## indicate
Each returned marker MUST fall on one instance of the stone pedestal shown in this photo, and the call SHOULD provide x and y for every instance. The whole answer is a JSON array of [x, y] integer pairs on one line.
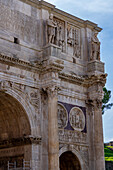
[[53, 141]]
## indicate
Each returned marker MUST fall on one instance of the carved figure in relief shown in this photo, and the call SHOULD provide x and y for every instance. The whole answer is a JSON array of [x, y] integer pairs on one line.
[[62, 116], [69, 36], [59, 35], [73, 41], [76, 47], [77, 119], [51, 29], [95, 47]]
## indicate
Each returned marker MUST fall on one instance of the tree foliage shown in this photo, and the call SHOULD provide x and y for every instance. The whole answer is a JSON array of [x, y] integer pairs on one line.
[[105, 102]]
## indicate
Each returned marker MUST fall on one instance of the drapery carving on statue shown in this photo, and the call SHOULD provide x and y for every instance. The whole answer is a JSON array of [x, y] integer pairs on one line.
[[73, 40], [77, 119], [51, 29], [60, 33], [62, 116], [95, 47]]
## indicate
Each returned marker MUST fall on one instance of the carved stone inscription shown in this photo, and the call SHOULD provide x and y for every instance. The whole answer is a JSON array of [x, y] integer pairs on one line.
[[77, 119], [62, 116]]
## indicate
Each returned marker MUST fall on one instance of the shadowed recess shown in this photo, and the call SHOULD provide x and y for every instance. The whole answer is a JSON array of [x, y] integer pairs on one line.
[[14, 122], [68, 161]]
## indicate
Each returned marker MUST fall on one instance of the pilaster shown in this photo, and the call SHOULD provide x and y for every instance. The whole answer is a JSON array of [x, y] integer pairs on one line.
[[53, 140], [95, 96]]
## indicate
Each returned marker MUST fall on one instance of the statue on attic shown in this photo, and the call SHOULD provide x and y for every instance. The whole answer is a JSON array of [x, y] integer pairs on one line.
[[51, 29], [95, 47]]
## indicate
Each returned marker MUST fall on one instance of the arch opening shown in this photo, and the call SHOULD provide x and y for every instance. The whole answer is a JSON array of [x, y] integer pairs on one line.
[[14, 130], [69, 161]]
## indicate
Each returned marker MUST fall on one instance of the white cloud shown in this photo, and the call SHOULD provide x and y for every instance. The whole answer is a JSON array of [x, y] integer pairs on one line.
[[99, 6]]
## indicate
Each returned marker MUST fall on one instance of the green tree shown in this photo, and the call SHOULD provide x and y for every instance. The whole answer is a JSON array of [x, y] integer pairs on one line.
[[105, 102]]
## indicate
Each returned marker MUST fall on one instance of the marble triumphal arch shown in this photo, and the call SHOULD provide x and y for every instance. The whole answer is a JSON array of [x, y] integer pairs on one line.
[[51, 89]]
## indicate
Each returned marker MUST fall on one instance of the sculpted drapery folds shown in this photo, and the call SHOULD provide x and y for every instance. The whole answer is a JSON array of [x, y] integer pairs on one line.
[[95, 47], [51, 29], [55, 32]]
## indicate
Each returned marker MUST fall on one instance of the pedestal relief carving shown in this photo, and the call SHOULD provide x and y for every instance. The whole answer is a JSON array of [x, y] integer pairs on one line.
[[77, 119], [62, 116], [73, 40]]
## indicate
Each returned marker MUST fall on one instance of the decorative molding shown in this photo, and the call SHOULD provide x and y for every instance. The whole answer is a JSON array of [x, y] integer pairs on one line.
[[20, 141]]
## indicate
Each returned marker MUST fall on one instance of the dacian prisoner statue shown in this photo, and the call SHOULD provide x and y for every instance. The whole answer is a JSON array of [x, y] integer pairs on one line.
[[95, 47]]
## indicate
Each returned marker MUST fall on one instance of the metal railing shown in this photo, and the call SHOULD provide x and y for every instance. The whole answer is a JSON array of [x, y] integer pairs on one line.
[[13, 166]]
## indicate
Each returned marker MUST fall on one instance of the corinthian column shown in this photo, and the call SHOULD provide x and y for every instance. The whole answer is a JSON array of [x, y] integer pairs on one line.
[[96, 128], [98, 136], [53, 140]]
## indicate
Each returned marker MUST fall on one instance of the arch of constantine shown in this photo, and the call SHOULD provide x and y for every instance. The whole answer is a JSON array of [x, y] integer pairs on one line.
[[51, 88]]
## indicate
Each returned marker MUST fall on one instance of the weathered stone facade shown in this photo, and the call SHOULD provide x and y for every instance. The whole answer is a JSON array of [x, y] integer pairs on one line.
[[51, 81]]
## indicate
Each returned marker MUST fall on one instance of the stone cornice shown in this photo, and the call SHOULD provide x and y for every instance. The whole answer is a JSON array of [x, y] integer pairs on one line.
[[51, 7], [84, 80], [69, 16], [71, 78], [99, 78], [20, 141], [40, 66], [17, 62]]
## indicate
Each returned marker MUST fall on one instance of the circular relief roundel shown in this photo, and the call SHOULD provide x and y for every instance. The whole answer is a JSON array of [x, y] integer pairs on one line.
[[77, 119], [62, 116]]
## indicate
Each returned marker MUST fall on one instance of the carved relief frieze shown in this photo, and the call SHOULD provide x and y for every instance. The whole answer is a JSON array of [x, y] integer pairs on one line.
[[73, 40], [35, 100], [72, 136], [60, 33], [20, 141], [30, 95], [55, 31], [62, 116], [77, 119]]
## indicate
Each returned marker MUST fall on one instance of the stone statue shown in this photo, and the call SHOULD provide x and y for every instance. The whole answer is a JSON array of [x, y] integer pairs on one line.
[[95, 47], [76, 49], [60, 39], [51, 29], [69, 36]]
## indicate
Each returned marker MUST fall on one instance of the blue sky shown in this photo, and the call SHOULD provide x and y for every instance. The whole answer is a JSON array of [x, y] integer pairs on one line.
[[100, 12]]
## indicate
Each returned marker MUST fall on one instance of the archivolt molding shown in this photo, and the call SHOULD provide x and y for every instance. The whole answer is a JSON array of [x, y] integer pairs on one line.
[[27, 97], [75, 152]]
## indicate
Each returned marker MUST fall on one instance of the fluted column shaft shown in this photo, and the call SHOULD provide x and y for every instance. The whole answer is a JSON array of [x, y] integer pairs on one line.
[[53, 140]]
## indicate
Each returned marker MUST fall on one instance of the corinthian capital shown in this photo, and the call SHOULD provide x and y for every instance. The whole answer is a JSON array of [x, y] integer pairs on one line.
[[52, 91]]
